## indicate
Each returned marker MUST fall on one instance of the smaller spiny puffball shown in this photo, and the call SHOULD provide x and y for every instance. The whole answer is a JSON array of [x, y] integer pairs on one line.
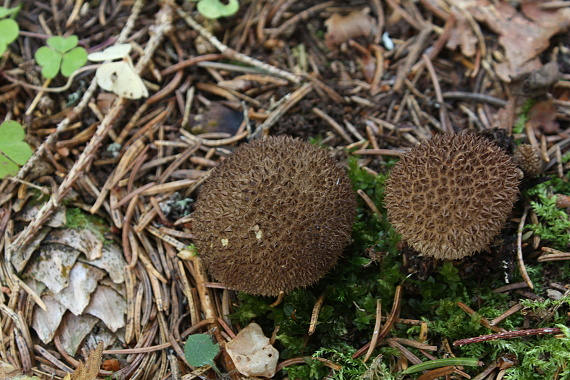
[[528, 159], [449, 196], [273, 216]]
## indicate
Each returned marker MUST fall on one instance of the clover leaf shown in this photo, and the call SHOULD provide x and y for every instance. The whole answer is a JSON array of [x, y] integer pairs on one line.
[[199, 351], [4, 12], [9, 29], [14, 152], [62, 54], [214, 9]]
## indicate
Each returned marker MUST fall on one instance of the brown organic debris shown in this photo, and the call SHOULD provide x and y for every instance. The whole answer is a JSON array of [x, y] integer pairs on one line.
[[343, 28], [90, 369], [274, 216], [542, 118], [523, 35], [449, 196]]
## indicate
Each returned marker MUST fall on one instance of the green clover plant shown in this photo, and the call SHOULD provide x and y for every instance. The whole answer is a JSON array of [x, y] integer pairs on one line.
[[9, 29], [62, 54], [14, 152], [214, 9]]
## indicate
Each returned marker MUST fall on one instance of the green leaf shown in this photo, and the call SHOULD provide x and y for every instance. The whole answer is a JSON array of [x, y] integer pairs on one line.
[[438, 363], [63, 44], [4, 12], [199, 350], [13, 150], [50, 60], [73, 60], [8, 11], [215, 8], [9, 31], [62, 53]]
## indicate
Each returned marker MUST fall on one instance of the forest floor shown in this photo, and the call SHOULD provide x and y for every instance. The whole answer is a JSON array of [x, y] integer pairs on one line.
[[96, 226]]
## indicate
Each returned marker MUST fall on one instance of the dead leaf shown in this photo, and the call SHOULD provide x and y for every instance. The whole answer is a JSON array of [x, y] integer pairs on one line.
[[542, 118], [536, 83], [463, 35], [7, 370], [523, 35], [217, 118], [562, 201], [252, 353], [343, 28], [90, 369]]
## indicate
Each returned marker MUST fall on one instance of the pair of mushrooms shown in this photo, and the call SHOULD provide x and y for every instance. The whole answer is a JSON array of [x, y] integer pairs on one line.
[[277, 213]]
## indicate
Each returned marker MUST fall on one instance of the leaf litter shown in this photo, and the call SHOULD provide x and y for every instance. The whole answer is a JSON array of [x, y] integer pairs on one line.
[[314, 70]]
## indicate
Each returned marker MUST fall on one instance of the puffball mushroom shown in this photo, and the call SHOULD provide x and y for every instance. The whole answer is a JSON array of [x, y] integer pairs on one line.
[[450, 195], [527, 158], [273, 216]]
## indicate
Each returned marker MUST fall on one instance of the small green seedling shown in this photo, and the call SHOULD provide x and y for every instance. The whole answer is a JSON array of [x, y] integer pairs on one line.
[[62, 54], [214, 9], [199, 351], [14, 152], [9, 29]]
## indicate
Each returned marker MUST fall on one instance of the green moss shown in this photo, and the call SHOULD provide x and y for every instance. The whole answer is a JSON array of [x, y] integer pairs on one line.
[[520, 123], [554, 223], [77, 218], [372, 268]]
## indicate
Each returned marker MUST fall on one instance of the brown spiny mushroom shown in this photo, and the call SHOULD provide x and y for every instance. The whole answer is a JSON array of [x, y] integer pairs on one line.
[[450, 195], [274, 216], [527, 158]]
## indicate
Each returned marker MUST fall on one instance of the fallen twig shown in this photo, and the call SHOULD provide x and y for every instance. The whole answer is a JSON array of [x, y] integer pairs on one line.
[[509, 335], [232, 54]]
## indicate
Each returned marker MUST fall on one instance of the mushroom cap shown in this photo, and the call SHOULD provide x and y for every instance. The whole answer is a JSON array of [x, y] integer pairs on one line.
[[273, 216], [450, 195]]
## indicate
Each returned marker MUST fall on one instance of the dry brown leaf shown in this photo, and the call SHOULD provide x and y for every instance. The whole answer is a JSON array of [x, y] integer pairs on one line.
[[562, 200], [217, 118], [463, 35], [537, 82], [90, 369], [542, 117], [342, 28], [523, 35]]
